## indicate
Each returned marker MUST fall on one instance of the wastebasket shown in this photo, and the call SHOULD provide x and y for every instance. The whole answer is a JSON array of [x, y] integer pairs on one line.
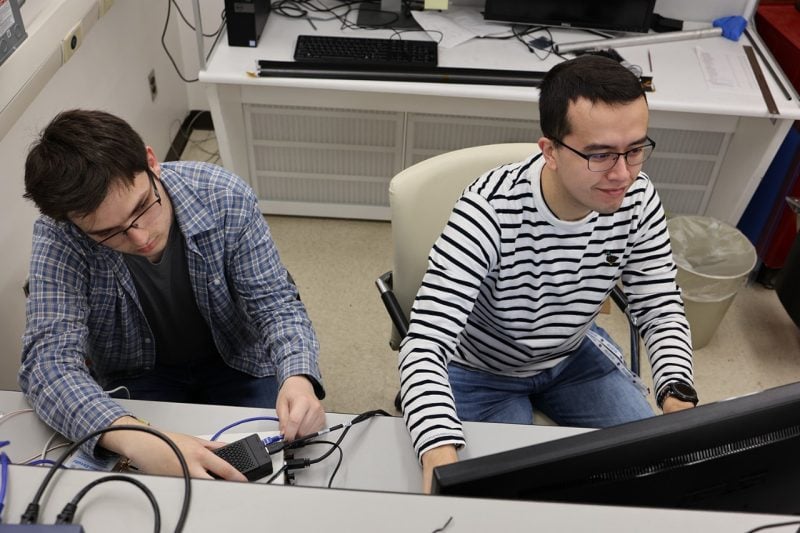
[[714, 260]]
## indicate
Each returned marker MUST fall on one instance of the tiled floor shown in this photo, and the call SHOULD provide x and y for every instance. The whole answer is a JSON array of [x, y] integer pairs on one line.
[[335, 263]]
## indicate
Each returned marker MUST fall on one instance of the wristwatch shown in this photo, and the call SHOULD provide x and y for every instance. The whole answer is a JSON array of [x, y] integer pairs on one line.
[[677, 389]]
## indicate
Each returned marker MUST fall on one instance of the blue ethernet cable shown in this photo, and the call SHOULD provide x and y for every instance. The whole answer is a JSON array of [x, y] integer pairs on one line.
[[4, 461], [39, 462], [246, 420]]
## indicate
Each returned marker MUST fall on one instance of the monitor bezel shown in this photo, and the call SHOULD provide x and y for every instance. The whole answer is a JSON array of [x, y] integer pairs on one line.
[[509, 474], [493, 12]]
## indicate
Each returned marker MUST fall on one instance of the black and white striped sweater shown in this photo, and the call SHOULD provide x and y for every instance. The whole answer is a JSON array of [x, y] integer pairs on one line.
[[511, 289]]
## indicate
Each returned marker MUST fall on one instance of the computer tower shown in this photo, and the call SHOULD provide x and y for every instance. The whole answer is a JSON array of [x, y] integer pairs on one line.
[[245, 21]]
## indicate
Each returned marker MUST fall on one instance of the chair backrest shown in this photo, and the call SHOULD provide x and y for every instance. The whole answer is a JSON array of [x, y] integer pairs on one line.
[[422, 197]]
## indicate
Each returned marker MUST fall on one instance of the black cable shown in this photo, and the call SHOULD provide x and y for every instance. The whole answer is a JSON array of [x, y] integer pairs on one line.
[[771, 526], [31, 514], [190, 24], [333, 446], [166, 50], [300, 441], [275, 476], [216, 36], [68, 513]]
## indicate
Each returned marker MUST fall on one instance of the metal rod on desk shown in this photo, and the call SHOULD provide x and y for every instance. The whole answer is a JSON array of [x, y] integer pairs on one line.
[[198, 31], [638, 40]]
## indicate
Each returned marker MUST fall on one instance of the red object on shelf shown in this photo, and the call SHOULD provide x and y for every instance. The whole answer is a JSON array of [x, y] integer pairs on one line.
[[778, 25], [779, 28]]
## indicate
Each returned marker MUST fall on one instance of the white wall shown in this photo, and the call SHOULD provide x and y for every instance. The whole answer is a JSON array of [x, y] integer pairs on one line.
[[109, 71], [210, 11]]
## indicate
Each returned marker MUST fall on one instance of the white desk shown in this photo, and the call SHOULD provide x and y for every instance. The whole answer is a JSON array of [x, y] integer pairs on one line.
[[323, 147], [375, 453]]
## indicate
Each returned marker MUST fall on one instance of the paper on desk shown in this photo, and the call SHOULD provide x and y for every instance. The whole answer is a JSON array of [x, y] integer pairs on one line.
[[456, 25], [727, 71]]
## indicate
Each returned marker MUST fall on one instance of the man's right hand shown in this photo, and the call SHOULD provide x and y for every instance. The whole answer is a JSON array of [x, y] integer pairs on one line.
[[154, 456], [442, 455]]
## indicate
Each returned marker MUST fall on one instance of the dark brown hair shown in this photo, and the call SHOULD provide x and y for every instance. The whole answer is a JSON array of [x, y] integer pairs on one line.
[[78, 156], [596, 78]]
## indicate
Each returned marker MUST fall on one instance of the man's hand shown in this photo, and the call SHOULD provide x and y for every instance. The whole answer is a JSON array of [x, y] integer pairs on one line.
[[443, 455], [672, 404], [299, 411], [154, 456]]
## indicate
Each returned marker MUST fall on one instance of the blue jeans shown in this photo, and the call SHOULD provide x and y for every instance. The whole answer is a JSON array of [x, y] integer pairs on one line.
[[212, 382], [587, 389]]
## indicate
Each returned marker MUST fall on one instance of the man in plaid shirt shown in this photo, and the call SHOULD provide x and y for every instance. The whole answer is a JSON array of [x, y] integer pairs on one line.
[[161, 281]]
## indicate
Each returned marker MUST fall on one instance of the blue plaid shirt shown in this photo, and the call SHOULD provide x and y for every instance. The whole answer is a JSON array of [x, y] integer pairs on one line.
[[85, 325]]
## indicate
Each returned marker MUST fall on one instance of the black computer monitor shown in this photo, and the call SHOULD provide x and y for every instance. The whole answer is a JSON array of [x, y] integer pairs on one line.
[[611, 15], [388, 14], [741, 454]]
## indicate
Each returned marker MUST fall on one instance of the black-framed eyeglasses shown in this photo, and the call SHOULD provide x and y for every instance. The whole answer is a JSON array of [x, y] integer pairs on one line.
[[145, 217], [605, 161]]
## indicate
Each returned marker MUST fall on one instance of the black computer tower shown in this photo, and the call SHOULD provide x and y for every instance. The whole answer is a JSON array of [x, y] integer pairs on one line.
[[245, 20]]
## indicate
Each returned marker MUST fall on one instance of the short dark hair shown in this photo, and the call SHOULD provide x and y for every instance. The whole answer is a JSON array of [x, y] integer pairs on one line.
[[78, 156], [596, 78]]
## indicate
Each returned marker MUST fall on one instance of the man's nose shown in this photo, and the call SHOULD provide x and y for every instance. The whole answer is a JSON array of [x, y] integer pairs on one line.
[[137, 236], [620, 169]]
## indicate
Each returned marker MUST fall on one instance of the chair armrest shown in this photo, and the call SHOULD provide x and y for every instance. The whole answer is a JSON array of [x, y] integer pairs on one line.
[[399, 320], [621, 301]]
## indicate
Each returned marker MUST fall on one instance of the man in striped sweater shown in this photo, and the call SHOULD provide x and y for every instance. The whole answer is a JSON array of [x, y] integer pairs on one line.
[[504, 319]]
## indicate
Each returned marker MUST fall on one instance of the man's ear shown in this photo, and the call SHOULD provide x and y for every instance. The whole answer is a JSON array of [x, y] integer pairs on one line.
[[548, 148], [152, 161]]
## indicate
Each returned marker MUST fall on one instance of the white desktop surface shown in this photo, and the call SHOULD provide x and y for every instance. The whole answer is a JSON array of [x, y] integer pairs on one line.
[[680, 85], [375, 452], [683, 105]]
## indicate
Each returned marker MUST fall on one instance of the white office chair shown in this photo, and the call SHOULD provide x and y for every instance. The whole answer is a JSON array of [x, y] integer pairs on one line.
[[421, 198]]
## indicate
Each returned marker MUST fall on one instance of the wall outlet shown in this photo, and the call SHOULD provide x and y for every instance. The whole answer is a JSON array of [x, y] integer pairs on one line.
[[151, 82], [71, 42], [104, 6]]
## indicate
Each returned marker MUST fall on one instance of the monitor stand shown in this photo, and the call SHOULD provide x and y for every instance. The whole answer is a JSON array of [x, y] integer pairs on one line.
[[389, 14]]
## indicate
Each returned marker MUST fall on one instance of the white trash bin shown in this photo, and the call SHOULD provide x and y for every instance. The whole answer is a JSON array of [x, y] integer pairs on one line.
[[714, 260]]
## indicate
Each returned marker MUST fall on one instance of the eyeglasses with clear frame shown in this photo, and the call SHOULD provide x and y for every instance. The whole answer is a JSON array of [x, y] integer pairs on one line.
[[605, 161], [145, 218]]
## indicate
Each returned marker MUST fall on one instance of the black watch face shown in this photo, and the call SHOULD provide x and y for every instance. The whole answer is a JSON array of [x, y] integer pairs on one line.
[[684, 389]]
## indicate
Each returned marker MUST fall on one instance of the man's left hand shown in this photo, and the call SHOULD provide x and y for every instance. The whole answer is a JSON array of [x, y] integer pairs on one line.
[[299, 411], [672, 404]]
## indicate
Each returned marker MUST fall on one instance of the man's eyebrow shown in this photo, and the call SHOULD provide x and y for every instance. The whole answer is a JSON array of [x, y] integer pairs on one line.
[[136, 209], [609, 147]]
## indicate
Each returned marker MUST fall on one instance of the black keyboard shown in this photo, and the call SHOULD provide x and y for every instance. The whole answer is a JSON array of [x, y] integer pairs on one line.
[[365, 52]]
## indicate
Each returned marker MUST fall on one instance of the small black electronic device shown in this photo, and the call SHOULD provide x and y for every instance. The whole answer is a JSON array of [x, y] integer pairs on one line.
[[249, 456], [611, 15], [365, 52], [12, 30], [733, 455], [245, 21]]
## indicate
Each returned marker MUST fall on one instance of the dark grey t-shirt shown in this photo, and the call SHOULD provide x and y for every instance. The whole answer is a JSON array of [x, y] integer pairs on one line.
[[182, 335]]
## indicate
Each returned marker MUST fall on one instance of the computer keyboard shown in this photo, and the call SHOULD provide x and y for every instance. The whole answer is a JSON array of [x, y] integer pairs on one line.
[[370, 52]]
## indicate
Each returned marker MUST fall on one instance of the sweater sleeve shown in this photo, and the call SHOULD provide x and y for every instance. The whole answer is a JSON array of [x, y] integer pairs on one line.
[[458, 263], [655, 299]]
